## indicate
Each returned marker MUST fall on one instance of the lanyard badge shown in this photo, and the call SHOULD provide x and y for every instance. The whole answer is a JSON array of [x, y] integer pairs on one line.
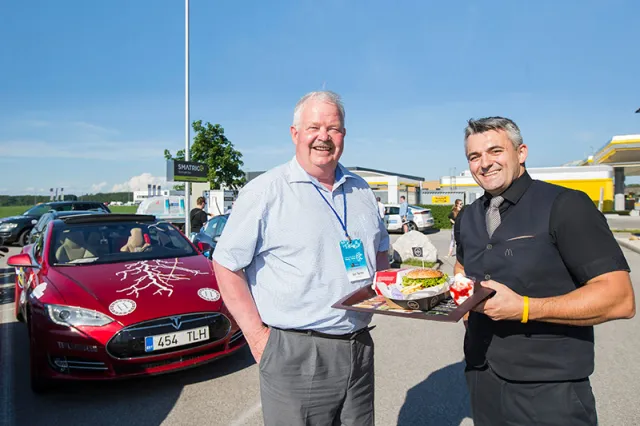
[[352, 251]]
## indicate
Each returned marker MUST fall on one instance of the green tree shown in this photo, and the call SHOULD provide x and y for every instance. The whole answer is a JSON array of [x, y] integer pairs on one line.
[[211, 146]]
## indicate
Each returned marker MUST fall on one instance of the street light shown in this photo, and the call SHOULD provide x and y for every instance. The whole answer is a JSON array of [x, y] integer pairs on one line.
[[187, 186]]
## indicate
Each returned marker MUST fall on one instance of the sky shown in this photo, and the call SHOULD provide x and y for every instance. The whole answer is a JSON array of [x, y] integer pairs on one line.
[[92, 92]]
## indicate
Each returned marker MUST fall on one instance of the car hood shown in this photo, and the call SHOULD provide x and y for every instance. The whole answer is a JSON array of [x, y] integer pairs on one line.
[[19, 219], [131, 292]]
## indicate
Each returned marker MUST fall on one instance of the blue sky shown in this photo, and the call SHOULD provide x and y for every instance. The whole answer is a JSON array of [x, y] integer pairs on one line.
[[91, 93]]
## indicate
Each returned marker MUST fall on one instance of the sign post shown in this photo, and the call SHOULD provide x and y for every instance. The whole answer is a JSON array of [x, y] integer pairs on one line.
[[419, 253]]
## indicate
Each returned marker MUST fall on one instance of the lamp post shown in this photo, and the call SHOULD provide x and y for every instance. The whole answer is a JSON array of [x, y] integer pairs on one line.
[[187, 185]]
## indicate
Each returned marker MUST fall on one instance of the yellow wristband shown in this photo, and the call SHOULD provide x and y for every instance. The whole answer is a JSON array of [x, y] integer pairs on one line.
[[525, 310]]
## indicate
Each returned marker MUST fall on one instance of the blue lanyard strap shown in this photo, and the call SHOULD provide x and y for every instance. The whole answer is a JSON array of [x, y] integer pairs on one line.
[[343, 224]]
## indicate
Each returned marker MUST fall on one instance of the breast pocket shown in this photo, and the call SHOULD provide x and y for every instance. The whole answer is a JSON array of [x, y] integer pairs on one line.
[[526, 253]]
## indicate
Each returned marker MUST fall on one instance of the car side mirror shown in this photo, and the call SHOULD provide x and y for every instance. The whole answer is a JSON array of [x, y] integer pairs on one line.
[[203, 247], [33, 221], [22, 260]]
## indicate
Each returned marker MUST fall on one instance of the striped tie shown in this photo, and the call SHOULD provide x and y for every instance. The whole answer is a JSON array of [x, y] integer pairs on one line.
[[493, 214]]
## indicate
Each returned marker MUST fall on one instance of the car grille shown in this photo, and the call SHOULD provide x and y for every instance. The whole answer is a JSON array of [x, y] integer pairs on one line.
[[65, 364], [130, 341]]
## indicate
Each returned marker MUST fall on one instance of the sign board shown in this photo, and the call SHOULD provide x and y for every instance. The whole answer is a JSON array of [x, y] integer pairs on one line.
[[440, 199], [417, 251], [186, 171]]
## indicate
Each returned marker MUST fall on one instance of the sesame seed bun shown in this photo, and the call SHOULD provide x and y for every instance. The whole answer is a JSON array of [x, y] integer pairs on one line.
[[424, 273]]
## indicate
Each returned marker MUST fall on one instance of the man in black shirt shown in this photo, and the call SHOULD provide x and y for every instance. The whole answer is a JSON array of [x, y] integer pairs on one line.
[[198, 216], [556, 270]]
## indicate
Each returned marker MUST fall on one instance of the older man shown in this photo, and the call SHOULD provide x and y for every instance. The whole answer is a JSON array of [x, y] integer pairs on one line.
[[302, 236], [557, 271]]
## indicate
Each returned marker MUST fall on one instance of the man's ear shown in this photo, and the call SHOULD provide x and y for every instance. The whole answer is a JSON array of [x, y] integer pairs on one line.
[[294, 134], [523, 151]]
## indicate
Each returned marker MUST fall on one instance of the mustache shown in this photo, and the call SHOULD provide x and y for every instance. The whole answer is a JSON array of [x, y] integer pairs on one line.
[[322, 145]]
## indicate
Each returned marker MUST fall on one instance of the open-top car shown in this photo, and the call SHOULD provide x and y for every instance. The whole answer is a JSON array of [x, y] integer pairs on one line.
[[115, 296]]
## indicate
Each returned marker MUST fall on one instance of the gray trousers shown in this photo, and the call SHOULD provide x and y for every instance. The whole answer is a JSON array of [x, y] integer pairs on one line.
[[307, 380]]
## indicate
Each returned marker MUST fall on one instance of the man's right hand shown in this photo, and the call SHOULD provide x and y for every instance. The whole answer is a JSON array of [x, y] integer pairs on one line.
[[257, 342]]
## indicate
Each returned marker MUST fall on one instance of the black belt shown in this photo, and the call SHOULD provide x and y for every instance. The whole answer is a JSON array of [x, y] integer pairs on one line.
[[348, 336]]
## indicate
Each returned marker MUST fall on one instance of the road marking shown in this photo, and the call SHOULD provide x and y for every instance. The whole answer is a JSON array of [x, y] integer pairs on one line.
[[248, 414]]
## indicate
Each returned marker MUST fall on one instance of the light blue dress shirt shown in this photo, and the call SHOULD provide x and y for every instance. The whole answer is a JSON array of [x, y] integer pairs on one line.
[[287, 239], [404, 209]]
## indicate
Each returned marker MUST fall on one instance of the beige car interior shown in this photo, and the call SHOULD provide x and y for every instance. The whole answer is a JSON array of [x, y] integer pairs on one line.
[[73, 247], [135, 243]]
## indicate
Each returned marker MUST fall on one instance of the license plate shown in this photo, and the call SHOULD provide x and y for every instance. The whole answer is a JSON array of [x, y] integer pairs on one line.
[[179, 338]]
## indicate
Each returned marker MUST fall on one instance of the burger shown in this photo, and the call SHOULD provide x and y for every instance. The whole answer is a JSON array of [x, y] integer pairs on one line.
[[424, 278]]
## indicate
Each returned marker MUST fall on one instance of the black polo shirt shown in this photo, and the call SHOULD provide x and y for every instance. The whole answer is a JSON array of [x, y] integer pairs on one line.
[[578, 229]]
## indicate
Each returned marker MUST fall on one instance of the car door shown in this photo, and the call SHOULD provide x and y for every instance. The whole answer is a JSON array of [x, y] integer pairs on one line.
[[29, 279]]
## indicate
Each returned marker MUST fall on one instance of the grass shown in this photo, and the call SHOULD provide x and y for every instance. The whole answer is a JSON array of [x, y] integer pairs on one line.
[[18, 210], [417, 262]]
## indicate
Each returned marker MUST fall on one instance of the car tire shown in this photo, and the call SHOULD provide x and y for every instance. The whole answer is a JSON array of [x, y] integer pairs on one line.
[[23, 238], [412, 226]]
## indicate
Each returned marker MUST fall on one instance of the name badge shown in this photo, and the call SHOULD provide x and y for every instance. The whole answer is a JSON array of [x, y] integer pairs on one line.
[[354, 260]]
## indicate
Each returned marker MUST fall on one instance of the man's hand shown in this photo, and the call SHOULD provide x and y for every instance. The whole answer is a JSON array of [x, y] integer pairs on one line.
[[505, 304], [257, 342]]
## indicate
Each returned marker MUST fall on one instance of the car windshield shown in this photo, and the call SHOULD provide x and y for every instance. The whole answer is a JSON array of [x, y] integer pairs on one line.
[[38, 210], [95, 243]]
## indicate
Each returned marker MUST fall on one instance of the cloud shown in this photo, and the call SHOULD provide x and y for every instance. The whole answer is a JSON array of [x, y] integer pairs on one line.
[[97, 187], [139, 183]]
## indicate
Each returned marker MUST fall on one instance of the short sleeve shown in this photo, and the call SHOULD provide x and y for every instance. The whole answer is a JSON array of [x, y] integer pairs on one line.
[[243, 232], [584, 240]]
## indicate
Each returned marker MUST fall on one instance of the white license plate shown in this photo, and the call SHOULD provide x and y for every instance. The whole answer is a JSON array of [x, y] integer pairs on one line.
[[179, 338]]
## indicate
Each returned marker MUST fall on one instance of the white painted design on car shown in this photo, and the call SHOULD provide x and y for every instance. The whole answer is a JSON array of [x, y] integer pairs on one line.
[[122, 307], [159, 275], [38, 292], [209, 294]]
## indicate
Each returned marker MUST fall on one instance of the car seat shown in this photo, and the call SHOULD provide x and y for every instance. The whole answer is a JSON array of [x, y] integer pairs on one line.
[[136, 242], [73, 247]]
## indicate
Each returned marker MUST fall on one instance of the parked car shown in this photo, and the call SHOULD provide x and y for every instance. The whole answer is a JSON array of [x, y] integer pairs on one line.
[[418, 218], [16, 229], [118, 296], [209, 234], [52, 215]]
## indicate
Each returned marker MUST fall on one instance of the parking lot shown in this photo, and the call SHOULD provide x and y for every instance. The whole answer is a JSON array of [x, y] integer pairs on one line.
[[419, 377]]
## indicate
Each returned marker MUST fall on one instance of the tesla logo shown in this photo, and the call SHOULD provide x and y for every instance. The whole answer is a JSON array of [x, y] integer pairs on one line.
[[176, 323]]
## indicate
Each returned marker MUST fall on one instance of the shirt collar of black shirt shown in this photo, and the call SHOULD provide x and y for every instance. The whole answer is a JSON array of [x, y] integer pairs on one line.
[[515, 191]]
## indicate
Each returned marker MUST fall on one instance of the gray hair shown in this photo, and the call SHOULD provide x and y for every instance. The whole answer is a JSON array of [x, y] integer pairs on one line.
[[324, 96], [494, 123]]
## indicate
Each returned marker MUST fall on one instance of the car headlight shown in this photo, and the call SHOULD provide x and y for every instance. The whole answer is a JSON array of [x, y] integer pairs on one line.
[[7, 226], [73, 316]]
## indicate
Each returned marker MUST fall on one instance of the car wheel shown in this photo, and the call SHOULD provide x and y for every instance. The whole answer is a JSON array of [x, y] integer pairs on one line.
[[23, 239], [412, 226]]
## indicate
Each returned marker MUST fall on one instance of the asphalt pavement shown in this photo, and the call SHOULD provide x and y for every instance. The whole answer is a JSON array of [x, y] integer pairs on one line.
[[419, 377]]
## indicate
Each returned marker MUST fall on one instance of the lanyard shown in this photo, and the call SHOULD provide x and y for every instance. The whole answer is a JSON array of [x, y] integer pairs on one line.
[[343, 224]]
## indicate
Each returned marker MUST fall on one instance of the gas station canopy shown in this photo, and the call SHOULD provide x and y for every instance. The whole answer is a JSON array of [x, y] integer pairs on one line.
[[621, 151]]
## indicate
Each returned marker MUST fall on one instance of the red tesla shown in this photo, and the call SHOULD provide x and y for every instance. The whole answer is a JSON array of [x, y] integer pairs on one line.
[[114, 296]]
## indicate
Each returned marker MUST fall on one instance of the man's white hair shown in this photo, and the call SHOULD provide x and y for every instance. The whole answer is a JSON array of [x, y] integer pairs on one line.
[[324, 96]]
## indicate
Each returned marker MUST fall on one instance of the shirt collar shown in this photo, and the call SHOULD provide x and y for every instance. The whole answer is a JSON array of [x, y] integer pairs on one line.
[[515, 191], [298, 174]]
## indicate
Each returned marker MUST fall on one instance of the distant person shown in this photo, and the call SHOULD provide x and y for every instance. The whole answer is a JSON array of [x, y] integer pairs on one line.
[[302, 236], [556, 270], [198, 216], [404, 213], [380, 208], [453, 214]]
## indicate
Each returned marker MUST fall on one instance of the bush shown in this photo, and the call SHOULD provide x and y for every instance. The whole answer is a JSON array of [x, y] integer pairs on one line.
[[440, 215]]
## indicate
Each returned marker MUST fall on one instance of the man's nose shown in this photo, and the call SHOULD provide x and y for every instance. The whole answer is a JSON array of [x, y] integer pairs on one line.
[[323, 134], [485, 162]]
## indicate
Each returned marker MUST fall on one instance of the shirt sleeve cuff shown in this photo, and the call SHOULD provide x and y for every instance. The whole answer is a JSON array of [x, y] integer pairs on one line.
[[226, 261], [599, 267]]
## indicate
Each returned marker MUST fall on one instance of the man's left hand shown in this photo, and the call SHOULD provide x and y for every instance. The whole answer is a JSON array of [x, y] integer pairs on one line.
[[505, 304]]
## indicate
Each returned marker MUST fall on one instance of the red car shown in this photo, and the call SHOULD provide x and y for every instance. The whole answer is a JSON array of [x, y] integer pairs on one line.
[[114, 296]]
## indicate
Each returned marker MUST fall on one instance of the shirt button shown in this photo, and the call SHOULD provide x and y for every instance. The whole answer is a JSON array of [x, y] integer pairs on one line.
[[487, 276], [489, 246]]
